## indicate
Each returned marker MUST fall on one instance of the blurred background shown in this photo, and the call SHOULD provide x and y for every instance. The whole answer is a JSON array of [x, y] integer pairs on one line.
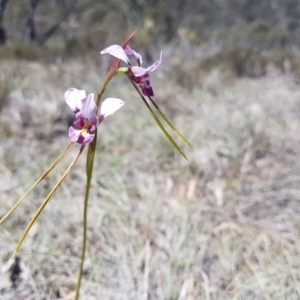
[[222, 225], [246, 37]]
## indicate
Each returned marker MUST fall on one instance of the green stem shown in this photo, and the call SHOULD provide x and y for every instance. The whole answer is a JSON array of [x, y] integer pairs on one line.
[[89, 174], [108, 77]]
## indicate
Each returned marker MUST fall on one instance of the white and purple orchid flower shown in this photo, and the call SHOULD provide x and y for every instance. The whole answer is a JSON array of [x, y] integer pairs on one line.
[[137, 73], [85, 110]]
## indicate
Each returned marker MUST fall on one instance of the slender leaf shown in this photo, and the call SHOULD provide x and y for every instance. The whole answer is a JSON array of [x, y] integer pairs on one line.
[[158, 122], [38, 212], [170, 124], [164, 130], [36, 183]]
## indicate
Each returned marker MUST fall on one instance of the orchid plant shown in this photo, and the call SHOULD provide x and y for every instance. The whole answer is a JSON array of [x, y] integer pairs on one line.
[[85, 128]]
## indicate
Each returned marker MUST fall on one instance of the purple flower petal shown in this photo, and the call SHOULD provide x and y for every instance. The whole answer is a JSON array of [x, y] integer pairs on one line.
[[79, 123], [82, 123], [118, 52], [139, 71], [156, 64], [143, 81], [86, 114], [80, 136], [73, 98], [138, 56], [137, 74], [88, 110], [141, 76], [147, 90]]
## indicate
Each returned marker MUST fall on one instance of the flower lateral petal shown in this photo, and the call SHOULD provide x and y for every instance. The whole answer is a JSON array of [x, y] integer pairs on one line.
[[139, 71], [118, 52], [110, 106], [138, 56], [156, 64]]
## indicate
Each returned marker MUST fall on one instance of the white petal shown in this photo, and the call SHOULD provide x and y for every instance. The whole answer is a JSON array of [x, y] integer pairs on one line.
[[73, 98], [118, 52], [139, 71], [110, 105]]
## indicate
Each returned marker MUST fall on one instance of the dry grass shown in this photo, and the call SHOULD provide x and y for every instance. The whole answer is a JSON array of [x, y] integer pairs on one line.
[[224, 225]]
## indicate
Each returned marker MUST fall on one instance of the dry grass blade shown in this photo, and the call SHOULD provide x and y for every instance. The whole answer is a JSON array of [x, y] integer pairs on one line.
[[36, 215], [36, 183]]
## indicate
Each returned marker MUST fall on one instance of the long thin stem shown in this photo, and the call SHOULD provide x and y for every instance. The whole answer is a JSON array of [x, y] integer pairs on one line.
[[89, 175], [36, 183], [36, 215], [108, 77], [90, 164]]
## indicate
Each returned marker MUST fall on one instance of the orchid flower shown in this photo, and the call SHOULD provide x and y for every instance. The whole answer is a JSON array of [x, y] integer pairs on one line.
[[137, 73], [140, 76], [85, 110]]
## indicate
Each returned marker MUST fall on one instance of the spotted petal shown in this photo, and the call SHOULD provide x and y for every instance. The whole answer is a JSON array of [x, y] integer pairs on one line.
[[82, 137], [88, 110]]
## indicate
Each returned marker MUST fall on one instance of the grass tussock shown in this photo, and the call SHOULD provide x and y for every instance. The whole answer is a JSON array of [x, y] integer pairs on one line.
[[224, 225]]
